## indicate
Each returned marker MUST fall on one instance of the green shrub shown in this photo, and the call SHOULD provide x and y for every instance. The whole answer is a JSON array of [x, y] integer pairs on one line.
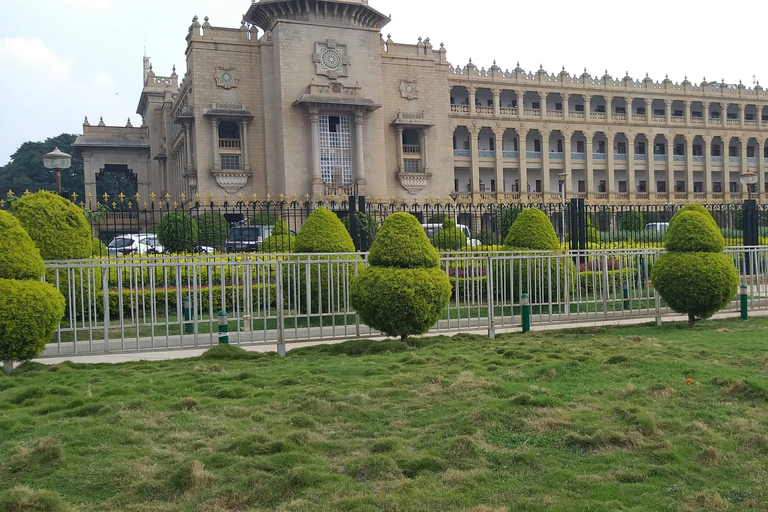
[[30, 312], [365, 221], [56, 225], [694, 277], [263, 218], [19, 258], [532, 231], [692, 231], [213, 229], [403, 292], [450, 237], [486, 237], [632, 221], [694, 207], [695, 283], [437, 218], [507, 216], [278, 242], [99, 250], [398, 246], [323, 232], [177, 232]]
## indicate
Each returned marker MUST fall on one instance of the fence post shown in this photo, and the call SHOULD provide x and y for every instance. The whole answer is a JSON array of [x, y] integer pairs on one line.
[[751, 236], [361, 207], [280, 311], [105, 303], [658, 307], [525, 302], [352, 205], [489, 291]]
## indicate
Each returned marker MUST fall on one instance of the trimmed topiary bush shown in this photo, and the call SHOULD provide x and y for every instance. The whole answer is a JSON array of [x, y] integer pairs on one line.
[[280, 240], [532, 231], [19, 258], [56, 225], [403, 292], [30, 309], [694, 207], [323, 232], [450, 237], [632, 221], [694, 277], [177, 232], [213, 229]]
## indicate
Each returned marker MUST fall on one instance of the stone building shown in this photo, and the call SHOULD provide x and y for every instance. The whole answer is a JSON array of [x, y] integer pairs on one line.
[[310, 98]]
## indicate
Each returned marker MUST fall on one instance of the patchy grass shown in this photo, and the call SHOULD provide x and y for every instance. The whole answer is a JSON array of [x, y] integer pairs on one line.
[[636, 418]]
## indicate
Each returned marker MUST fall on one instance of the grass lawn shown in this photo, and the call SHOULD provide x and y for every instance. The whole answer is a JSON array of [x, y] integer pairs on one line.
[[589, 419]]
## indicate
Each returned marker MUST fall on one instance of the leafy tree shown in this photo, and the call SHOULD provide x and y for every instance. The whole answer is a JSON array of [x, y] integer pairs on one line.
[[632, 221], [450, 237], [26, 171], [213, 229], [177, 232]]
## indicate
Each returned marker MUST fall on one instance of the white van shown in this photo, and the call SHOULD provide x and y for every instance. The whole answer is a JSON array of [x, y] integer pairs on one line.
[[432, 229]]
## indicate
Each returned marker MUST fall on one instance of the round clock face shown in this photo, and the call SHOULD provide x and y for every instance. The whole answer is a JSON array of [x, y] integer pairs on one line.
[[331, 59], [227, 77]]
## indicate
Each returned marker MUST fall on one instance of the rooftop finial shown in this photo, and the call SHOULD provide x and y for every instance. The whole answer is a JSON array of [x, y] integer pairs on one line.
[[195, 19], [563, 68], [206, 19], [86, 123], [174, 69]]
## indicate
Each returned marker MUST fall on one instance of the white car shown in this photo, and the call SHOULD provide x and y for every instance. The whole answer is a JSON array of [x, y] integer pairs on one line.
[[126, 245]]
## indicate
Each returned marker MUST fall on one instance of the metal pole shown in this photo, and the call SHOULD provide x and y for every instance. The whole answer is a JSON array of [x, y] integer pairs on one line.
[[744, 299], [525, 302], [189, 327], [223, 328], [58, 181]]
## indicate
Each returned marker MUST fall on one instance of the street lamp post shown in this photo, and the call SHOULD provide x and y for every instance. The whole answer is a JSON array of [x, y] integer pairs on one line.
[[561, 179], [58, 161], [748, 179]]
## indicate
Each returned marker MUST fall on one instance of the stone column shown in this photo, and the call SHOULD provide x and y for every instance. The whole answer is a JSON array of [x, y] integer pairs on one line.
[[670, 163], [742, 108], [567, 160], [246, 161], [668, 108], [472, 107], [400, 160], [687, 112], [475, 156], [707, 149], [543, 103], [629, 101], [760, 169], [522, 136], [545, 164], [610, 173], [587, 107], [520, 103], [314, 125], [608, 108], [631, 187], [424, 149], [89, 175], [499, 133], [360, 151], [743, 141], [588, 176], [187, 147], [689, 165], [705, 104], [565, 97], [648, 111], [496, 102], [215, 144]]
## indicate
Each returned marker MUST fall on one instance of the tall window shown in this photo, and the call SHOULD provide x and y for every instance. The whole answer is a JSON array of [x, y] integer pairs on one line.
[[335, 150]]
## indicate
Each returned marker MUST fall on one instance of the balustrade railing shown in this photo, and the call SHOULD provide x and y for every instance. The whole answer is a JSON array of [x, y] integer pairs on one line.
[[229, 143], [532, 112], [484, 110], [460, 109], [508, 111], [412, 149]]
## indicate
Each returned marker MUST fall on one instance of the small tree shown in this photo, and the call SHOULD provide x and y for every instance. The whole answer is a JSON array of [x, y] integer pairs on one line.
[[263, 218], [631, 221], [30, 309], [177, 232], [279, 240], [450, 237], [213, 229], [403, 292], [694, 277]]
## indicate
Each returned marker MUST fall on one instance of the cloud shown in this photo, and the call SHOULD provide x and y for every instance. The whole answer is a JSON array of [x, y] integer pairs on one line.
[[100, 5], [32, 54]]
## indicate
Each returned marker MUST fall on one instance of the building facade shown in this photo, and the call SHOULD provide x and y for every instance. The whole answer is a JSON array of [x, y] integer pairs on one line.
[[309, 98]]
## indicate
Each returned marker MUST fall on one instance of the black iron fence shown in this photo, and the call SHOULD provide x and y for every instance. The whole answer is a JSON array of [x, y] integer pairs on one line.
[[271, 226]]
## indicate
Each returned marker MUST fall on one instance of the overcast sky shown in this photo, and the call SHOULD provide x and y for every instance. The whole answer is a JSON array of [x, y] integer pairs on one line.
[[64, 59]]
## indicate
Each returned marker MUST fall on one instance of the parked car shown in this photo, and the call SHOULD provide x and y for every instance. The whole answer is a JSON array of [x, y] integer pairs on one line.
[[246, 238], [432, 229], [124, 245]]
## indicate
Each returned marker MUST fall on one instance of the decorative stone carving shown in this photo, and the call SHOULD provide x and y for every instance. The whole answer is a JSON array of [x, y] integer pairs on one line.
[[409, 89], [225, 78], [414, 182], [231, 181], [331, 59]]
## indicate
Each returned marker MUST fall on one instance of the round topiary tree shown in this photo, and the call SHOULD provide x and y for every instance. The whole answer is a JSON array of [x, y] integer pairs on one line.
[[632, 221], [694, 277], [30, 309], [450, 237], [56, 225], [213, 229], [532, 231], [403, 292], [280, 240], [177, 232], [694, 207], [322, 232]]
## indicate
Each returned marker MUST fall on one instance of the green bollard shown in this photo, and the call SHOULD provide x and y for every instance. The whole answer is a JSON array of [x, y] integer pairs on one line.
[[625, 294], [189, 328], [525, 302], [744, 297], [223, 328]]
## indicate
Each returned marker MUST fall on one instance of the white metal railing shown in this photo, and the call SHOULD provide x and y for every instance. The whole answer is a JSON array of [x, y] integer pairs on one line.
[[161, 303]]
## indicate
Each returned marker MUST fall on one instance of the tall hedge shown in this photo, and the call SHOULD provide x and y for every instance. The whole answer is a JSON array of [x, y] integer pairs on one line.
[[695, 277], [213, 229], [56, 225], [30, 309], [403, 292], [177, 232]]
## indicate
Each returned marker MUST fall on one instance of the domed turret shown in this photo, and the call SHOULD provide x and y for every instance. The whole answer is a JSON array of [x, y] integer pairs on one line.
[[266, 13]]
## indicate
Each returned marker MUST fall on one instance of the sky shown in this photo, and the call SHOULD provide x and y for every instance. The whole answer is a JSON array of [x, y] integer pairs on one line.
[[64, 59]]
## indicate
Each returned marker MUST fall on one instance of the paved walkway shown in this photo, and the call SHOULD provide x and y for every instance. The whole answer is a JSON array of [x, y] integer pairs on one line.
[[123, 357]]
